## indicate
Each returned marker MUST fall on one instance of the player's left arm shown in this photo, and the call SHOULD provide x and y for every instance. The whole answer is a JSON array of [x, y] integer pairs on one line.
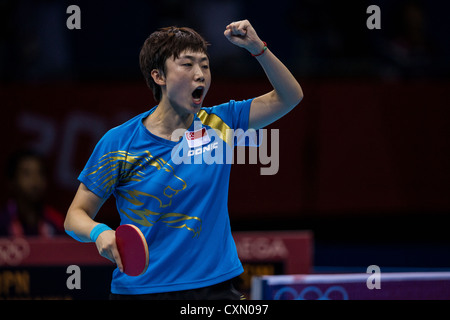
[[287, 92]]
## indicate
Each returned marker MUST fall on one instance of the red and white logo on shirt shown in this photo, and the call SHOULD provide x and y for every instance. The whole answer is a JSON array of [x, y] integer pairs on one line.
[[197, 138]]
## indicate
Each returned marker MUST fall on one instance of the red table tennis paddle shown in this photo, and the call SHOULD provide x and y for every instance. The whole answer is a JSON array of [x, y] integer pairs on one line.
[[133, 249]]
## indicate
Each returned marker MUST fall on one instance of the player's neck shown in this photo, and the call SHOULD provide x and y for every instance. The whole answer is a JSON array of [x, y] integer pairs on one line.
[[165, 120]]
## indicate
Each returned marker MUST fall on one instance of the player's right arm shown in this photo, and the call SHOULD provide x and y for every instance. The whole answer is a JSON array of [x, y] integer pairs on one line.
[[80, 221], [81, 213]]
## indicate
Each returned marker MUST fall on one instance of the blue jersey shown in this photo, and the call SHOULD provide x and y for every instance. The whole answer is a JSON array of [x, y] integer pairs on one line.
[[176, 193]]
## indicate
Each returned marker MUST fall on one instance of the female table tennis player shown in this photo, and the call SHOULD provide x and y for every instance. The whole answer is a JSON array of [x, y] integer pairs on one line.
[[180, 208]]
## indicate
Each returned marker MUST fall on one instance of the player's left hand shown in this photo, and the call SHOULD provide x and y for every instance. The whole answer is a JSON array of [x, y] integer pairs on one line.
[[242, 34]]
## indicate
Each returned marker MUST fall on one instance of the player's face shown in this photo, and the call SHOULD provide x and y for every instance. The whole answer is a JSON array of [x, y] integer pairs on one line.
[[187, 81]]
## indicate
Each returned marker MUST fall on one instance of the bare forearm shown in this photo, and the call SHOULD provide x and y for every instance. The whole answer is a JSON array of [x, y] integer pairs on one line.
[[78, 221], [81, 213], [285, 86]]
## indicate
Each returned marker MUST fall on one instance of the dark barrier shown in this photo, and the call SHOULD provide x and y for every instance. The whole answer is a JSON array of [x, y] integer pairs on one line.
[[34, 268], [61, 268], [273, 253]]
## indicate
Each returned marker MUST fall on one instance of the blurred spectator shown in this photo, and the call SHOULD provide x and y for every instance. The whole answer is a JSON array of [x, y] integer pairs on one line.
[[409, 49], [26, 213]]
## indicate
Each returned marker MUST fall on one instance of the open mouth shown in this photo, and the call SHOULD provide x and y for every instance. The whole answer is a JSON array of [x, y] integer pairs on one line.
[[197, 95]]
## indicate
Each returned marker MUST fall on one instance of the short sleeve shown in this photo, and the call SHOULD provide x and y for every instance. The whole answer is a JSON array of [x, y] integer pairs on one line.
[[101, 173], [236, 115]]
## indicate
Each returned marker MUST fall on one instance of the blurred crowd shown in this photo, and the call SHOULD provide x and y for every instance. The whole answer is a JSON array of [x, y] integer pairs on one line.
[[315, 38]]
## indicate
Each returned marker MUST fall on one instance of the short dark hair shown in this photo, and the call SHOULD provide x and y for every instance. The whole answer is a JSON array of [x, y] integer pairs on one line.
[[163, 44]]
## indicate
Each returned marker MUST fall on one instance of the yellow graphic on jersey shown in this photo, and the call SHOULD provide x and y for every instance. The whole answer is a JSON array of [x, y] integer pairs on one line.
[[122, 167]]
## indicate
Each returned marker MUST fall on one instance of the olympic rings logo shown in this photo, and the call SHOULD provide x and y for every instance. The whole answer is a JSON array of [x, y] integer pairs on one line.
[[317, 294], [13, 252]]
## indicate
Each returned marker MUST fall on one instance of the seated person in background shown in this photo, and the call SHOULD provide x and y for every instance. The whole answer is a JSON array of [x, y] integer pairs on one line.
[[26, 213]]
